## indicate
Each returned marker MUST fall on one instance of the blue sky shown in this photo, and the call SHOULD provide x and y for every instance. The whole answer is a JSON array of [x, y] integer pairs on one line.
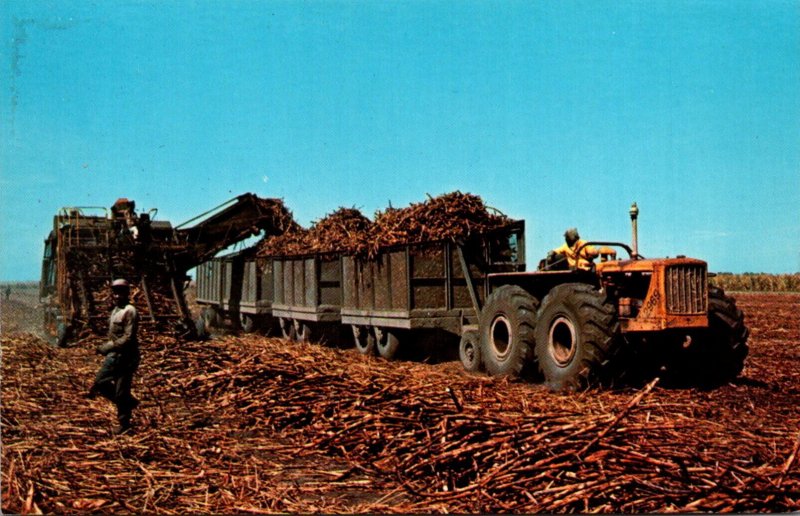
[[561, 113]]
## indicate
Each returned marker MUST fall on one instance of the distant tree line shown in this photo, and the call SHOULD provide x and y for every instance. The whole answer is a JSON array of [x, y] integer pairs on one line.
[[757, 282]]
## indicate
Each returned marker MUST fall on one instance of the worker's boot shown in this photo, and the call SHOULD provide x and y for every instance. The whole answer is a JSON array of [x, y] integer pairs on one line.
[[124, 425], [124, 411], [92, 393]]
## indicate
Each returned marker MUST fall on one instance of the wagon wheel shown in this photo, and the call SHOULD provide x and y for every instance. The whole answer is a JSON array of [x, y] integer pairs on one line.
[[210, 317], [200, 327], [247, 322], [469, 351], [207, 320], [364, 339], [387, 342], [302, 331], [62, 334], [287, 328]]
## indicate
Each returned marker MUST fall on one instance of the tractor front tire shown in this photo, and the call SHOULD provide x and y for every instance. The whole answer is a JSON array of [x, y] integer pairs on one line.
[[729, 332], [714, 356], [508, 322], [576, 337]]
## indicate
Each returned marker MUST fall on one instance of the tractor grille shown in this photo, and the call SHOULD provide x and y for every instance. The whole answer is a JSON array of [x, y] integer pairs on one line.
[[686, 287]]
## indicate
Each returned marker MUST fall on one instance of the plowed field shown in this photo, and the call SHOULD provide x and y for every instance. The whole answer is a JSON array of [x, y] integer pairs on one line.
[[245, 424]]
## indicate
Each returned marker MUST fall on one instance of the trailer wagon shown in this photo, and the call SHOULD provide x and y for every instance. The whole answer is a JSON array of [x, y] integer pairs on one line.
[[413, 288], [307, 295], [238, 287]]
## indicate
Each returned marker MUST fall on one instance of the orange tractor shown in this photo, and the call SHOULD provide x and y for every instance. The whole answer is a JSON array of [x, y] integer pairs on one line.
[[577, 328]]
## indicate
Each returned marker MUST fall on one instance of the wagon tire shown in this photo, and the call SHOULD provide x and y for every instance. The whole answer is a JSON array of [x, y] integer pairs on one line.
[[469, 352], [211, 319], [302, 331], [364, 339], [508, 323], [247, 322], [62, 334], [200, 326], [576, 337], [387, 342], [287, 328]]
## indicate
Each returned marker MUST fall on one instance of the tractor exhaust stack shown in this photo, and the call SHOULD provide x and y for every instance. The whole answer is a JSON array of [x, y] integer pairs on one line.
[[635, 239]]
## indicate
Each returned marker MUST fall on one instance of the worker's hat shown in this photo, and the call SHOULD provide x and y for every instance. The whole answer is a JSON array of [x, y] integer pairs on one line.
[[120, 284]]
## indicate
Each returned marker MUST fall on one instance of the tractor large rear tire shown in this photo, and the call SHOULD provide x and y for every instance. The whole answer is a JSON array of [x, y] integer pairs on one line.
[[508, 322], [576, 337]]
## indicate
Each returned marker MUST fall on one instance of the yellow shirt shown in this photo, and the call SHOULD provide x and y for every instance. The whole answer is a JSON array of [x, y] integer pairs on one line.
[[582, 261]]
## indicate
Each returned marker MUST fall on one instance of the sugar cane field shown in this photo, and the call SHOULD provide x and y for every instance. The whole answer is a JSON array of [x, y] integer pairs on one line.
[[255, 424]]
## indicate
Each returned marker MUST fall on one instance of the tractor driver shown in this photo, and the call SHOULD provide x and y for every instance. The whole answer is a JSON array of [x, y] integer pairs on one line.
[[574, 250]]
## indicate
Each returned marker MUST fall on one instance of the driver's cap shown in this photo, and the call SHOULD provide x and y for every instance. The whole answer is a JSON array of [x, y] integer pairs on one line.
[[572, 234]]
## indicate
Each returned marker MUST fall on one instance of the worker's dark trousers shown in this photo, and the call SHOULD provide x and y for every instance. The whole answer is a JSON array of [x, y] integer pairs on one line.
[[113, 382]]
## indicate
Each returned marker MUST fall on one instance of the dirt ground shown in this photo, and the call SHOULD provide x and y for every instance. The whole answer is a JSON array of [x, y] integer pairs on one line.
[[20, 312], [251, 424]]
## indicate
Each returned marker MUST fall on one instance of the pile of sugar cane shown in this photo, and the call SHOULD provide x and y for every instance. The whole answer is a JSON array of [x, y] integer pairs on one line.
[[450, 216]]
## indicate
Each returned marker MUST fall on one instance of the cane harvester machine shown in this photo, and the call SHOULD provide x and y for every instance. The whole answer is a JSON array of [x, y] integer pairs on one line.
[[89, 246]]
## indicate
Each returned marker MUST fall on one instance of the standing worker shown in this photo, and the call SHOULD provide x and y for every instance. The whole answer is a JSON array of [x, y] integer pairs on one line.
[[113, 380], [577, 253]]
